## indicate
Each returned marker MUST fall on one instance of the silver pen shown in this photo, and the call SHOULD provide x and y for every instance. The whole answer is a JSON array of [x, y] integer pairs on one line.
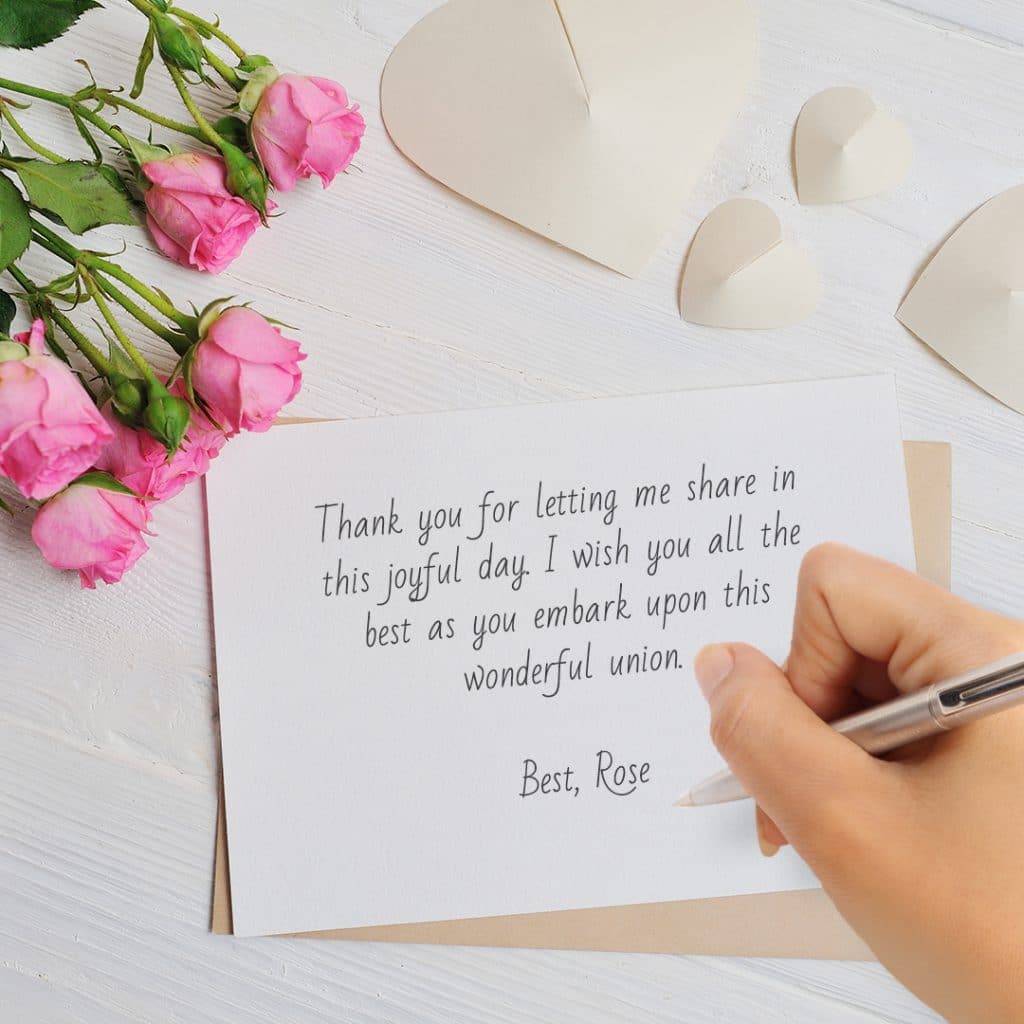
[[935, 709]]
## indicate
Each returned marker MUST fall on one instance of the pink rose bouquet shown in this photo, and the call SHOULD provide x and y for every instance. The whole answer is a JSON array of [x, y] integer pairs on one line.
[[93, 435]]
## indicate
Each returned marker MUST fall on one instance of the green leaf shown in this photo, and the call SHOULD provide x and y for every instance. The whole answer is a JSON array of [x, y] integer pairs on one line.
[[145, 59], [80, 194], [7, 312], [94, 478], [6, 508], [115, 179], [140, 152], [25, 24], [15, 226]]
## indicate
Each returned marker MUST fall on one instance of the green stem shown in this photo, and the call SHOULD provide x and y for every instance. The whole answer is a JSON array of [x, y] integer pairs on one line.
[[225, 71], [68, 103], [150, 115], [179, 344], [38, 148], [145, 7], [31, 293], [99, 361], [52, 241], [208, 26], [157, 301], [190, 104], [91, 261], [112, 322], [69, 254]]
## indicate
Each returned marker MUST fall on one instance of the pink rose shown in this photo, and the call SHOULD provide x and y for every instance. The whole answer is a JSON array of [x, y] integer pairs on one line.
[[305, 126], [246, 370], [140, 462], [50, 430], [96, 531], [193, 217]]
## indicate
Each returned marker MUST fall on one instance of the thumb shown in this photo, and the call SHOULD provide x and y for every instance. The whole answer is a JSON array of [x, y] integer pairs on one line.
[[793, 764]]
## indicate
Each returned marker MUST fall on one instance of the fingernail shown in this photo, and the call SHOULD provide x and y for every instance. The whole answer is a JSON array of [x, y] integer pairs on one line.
[[712, 667], [768, 848]]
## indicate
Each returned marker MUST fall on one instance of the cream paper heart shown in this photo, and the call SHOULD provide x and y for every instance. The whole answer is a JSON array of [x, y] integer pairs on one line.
[[968, 303], [741, 272], [586, 121], [846, 148]]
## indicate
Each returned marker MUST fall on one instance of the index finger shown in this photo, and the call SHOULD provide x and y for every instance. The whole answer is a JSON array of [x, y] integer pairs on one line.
[[863, 624]]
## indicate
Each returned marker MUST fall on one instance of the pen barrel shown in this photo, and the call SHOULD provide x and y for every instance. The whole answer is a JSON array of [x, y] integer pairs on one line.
[[895, 724], [965, 698]]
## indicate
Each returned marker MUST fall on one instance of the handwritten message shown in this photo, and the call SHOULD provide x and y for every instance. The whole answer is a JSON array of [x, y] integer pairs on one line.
[[603, 532]]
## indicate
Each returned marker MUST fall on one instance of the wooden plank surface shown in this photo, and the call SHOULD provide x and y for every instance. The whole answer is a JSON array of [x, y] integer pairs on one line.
[[411, 299]]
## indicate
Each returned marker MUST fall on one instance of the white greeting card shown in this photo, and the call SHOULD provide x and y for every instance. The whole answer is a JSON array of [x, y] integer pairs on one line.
[[454, 650]]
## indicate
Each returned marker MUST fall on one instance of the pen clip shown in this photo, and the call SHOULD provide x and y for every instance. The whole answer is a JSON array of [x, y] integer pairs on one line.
[[979, 691]]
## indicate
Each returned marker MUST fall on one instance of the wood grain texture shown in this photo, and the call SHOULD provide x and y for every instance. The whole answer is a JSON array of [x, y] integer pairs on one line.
[[411, 299]]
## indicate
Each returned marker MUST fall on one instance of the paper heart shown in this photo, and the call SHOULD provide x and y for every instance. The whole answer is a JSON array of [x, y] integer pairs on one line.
[[846, 148], [968, 303], [741, 272], [586, 121]]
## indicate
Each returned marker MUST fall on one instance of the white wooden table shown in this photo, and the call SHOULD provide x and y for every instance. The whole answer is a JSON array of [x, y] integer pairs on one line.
[[411, 299]]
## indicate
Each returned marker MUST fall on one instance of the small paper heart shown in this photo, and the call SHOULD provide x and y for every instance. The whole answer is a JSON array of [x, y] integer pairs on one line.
[[741, 272], [846, 148], [968, 303]]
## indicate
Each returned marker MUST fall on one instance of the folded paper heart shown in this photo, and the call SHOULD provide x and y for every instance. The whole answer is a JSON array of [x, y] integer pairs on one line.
[[846, 148], [586, 121], [741, 272], [968, 303]]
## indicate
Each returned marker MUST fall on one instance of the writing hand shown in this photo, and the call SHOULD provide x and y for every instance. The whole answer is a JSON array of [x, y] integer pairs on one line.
[[921, 852]]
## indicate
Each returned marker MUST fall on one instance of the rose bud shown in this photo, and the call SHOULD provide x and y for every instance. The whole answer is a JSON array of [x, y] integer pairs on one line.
[[204, 439], [166, 417], [92, 527], [50, 430], [245, 179], [245, 370], [191, 213], [180, 44], [140, 462], [128, 398], [305, 126]]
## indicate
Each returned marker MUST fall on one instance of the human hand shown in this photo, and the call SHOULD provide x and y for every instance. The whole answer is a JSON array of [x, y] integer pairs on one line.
[[921, 852]]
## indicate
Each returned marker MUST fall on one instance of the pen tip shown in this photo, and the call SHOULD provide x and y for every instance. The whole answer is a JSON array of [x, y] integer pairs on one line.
[[684, 801]]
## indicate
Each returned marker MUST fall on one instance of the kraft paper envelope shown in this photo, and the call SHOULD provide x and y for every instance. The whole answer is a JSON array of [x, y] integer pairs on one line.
[[790, 924]]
